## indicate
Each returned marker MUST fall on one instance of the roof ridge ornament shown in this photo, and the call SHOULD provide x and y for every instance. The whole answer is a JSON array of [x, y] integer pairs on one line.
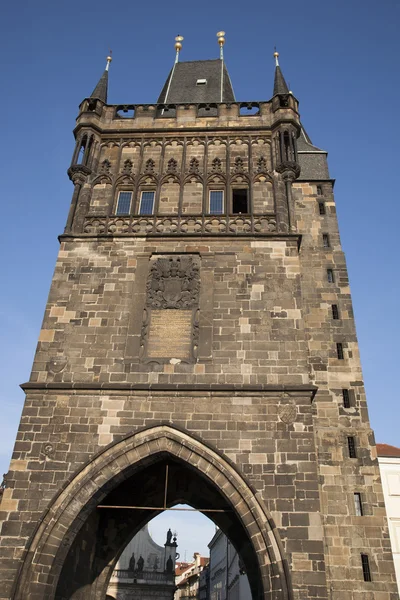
[[221, 42], [178, 46], [109, 60]]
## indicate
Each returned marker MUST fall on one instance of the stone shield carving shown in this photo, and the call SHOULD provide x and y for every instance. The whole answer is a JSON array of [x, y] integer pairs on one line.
[[287, 413], [173, 282], [170, 327]]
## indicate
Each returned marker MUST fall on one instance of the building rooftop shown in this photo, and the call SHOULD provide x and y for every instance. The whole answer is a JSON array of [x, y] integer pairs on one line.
[[197, 82], [388, 450]]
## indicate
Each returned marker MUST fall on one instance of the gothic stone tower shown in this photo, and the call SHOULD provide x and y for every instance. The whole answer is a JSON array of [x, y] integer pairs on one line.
[[198, 346]]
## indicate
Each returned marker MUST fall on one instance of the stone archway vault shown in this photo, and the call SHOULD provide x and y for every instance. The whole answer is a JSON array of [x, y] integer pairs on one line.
[[54, 536]]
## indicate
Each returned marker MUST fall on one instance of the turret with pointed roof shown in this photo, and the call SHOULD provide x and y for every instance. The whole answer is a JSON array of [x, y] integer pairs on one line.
[[280, 86], [101, 89]]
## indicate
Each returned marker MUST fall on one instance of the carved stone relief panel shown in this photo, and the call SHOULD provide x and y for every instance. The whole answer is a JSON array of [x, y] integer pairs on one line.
[[170, 328]]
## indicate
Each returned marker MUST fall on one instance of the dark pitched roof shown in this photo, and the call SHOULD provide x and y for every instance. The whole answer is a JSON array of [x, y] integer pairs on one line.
[[100, 91], [387, 450], [312, 160], [304, 143], [280, 86], [181, 85]]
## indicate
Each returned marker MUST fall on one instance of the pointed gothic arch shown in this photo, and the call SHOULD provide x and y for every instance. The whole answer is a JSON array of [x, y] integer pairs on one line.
[[74, 515]]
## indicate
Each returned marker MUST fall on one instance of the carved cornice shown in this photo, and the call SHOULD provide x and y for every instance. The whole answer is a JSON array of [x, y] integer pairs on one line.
[[290, 170], [78, 173], [214, 388]]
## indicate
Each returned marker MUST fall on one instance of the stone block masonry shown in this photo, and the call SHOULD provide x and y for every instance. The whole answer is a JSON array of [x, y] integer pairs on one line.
[[254, 414]]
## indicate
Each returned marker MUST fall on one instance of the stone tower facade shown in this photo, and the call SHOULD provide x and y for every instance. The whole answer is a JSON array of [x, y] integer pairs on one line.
[[198, 346]]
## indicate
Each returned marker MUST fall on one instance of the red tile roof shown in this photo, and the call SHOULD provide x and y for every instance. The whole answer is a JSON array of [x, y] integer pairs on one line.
[[387, 450], [180, 567]]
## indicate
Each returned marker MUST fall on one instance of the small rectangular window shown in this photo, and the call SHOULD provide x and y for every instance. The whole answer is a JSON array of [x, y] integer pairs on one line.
[[352, 447], [124, 203], [339, 351], [330, 276], [201, 82], [335, 311], [216, 202], [346, 398], [325, 240], [147, 203], [319, 190], [358, 504], [365, 567], [321, 207], [240, 201]]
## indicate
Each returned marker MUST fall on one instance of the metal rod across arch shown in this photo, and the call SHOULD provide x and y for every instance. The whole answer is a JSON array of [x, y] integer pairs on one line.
[[165, 507]]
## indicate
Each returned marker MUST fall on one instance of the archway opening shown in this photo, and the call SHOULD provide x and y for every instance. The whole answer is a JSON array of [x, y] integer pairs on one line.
[[180, 554], [146, 490]]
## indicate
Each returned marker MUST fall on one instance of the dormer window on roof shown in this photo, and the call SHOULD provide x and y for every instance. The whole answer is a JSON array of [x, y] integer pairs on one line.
[[201, 82]]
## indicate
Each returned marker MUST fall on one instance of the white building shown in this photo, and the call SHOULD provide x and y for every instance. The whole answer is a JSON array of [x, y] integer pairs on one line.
[[188, 577], [145, 570], [227, 579], [389, 463]]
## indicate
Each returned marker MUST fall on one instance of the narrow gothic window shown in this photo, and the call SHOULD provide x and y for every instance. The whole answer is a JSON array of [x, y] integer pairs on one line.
[[352, 447], [339, 350], [346, 398], [286, 142], [330, 276], [321, 207], [358, 504], [325, 240], [124, 203], [365, 567], [240, 203], [319, 190], [216, 202], [81, 152], [335, 311], [146, 203]]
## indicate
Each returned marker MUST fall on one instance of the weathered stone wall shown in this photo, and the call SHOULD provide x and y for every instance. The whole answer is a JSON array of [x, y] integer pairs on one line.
[[96, 304], [264, 339], [346, 534]]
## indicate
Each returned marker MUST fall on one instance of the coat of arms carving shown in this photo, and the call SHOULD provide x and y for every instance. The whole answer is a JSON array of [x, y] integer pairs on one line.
[[174, 282]]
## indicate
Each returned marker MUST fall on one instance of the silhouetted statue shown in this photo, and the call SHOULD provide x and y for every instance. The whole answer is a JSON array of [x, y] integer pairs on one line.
[[169, 537], [140, 563], [170, 565], [132, 562]]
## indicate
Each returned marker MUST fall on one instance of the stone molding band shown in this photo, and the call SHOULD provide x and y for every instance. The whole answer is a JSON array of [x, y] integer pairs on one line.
[[175, 387]]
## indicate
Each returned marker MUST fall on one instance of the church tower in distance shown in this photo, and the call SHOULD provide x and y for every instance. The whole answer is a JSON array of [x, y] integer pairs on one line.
[[198, 346]]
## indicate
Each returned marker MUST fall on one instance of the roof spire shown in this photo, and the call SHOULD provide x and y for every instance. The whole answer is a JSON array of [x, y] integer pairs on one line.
[[280, 86], [100, 91], [221, 42], [178, 46], [109, 60]]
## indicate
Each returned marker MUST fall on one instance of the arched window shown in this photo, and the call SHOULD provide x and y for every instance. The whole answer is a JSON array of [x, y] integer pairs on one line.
[[287, 149], [81, 152]]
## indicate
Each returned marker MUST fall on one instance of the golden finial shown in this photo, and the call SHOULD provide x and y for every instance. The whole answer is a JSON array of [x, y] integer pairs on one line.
[[109, 60], [178, 46], [221, 42], [276, 56]]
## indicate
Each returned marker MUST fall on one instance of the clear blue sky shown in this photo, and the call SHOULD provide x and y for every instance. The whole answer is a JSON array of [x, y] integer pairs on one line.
[[342, 61]]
